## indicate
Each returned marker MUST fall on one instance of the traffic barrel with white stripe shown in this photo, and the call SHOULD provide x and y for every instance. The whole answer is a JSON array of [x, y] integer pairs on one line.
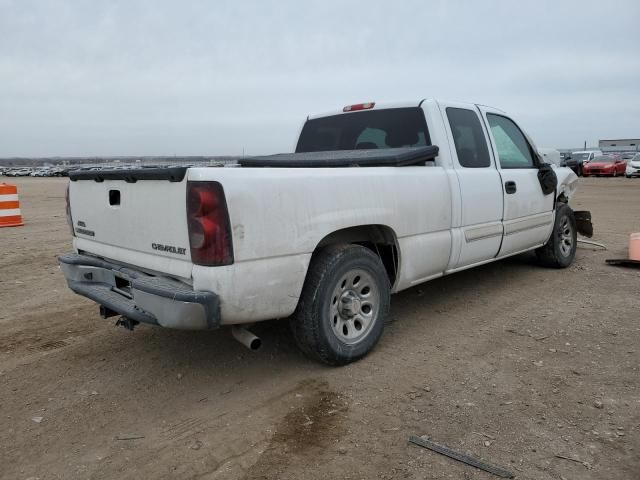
[[9, 206]]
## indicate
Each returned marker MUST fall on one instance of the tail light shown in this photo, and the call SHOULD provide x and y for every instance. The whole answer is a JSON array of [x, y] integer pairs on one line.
[[68, 210], [209, 227]]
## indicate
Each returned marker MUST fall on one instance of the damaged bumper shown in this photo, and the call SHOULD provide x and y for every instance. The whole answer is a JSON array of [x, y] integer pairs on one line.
[[138, 296], [583, 223]]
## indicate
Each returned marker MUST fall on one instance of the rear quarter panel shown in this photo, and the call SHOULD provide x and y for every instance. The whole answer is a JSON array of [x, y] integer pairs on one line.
[[279, 215]]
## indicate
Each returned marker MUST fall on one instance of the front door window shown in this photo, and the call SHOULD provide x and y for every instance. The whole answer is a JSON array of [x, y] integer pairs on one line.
[[513, 149]]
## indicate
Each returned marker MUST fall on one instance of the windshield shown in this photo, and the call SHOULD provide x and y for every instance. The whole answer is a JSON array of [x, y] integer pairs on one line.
[[580, 156], [636, 158], [603, 159], [386, 128]]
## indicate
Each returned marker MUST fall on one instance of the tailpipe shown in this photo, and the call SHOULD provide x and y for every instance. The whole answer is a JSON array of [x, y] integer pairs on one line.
[[245, 337]]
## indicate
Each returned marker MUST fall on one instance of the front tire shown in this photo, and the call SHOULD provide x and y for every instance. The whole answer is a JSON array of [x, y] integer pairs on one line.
[[560, 250], [343, 306]]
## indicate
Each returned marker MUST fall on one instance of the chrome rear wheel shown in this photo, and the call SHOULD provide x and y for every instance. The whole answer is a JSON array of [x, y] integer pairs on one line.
[[355, 303]]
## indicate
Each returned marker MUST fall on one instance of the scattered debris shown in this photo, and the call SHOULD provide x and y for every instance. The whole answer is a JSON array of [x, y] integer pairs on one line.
[[37, 419], [542, 337], [623, 262], [197, 445], [598, 404], [587, 465], [490, 437], [461, 457], [513, 330], [129, 437], [591, 242]]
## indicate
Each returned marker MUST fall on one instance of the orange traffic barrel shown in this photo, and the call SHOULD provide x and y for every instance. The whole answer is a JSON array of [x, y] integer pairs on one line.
[[634, 246], [9, 206]]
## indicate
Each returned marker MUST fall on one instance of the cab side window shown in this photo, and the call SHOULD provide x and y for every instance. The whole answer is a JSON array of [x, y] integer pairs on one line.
[[513, 149], [468, 137]]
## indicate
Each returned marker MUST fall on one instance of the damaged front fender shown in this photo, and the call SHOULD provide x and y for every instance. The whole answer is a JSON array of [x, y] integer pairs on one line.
[[567, 182], [567, 186]]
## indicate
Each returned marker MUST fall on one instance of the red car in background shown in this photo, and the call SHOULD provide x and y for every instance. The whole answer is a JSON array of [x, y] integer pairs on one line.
[[605, 165]]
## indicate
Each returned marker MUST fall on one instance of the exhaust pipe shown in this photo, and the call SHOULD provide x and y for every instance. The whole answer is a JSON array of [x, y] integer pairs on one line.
[[245, 337]]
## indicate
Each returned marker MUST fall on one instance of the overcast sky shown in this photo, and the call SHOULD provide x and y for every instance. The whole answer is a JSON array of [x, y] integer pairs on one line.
[[203, 77]]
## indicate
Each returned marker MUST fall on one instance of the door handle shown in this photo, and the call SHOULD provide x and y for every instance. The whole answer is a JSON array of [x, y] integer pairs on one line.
[[510, 187]]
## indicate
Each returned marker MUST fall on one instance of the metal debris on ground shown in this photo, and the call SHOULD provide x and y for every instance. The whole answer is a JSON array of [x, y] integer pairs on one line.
[[587, 465], [623, 262], [590, 242], [129, 437], [461, 457]]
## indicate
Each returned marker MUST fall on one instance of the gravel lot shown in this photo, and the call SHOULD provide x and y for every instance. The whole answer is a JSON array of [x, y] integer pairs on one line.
[[513, 363]]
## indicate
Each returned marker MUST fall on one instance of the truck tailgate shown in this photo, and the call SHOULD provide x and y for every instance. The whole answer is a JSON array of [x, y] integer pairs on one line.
[[141, 222]]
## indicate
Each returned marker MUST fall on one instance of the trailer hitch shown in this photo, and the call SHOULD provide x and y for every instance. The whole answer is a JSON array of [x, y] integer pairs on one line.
[[127, 323]]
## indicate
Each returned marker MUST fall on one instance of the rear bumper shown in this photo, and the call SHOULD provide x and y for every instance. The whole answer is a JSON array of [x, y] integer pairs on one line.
[[139, 296]]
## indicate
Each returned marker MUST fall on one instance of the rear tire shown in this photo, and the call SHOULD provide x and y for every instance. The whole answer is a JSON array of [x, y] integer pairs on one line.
[[560, 250], [343, 306]]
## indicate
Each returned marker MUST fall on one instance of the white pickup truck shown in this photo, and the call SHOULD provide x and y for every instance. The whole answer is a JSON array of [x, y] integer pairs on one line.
[[376, 199]]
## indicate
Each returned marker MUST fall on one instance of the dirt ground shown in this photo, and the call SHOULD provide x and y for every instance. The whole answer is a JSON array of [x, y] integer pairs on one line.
[[532, 369]]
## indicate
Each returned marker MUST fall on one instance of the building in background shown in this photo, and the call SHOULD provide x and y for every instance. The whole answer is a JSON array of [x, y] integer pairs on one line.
[[620, 145]]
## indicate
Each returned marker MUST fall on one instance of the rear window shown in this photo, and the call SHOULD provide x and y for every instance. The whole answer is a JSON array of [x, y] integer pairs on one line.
[[468, 137], [386, 128]]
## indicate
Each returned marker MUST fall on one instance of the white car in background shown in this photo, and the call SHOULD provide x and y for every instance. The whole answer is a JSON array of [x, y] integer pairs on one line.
[[585, 156], [633, 167]]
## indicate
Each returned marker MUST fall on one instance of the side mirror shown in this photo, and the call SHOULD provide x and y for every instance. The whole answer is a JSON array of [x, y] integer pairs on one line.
[[548, 179]]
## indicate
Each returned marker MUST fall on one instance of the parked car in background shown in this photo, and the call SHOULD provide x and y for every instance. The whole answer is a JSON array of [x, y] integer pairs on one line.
[[551, 156], [22, 172], [628, 155], [604, 165], [633, 167], [577, 160]]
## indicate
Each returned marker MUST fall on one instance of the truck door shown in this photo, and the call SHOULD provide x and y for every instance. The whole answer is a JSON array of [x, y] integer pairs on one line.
[[528, 213], [479, 232]]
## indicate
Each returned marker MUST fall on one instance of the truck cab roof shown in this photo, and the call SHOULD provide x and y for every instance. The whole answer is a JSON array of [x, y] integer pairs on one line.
[[347, 109]]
